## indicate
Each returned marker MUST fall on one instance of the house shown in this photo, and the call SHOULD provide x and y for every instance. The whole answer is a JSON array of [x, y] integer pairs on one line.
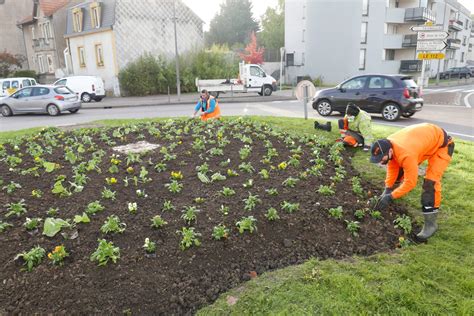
[[43, 32], [337, 40], [104, 36]]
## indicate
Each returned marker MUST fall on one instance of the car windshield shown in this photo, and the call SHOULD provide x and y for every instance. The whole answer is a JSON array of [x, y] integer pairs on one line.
[[63, 90], [409, 83]]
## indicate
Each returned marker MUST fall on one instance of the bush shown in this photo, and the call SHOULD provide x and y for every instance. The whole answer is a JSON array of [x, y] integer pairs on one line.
[[150, 75], [25, 73]]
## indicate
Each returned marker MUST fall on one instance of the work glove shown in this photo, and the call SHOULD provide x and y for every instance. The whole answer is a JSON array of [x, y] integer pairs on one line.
[[387, 191], [384, 202], [366, 148]]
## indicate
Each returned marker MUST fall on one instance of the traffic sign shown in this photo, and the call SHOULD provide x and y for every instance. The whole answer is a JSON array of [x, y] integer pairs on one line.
[[431, 45], [431, 56], [423, 36], [426, 28]]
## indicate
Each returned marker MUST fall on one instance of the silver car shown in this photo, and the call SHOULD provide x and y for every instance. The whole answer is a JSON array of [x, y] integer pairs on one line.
[[53, 100]]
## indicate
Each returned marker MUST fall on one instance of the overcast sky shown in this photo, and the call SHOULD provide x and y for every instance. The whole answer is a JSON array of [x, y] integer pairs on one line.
[[206, 9]]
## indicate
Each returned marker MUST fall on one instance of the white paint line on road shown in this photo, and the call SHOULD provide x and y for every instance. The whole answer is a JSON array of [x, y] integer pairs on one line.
[[277, 102], [293, 101], [468, 91], [466, 99], [453, 90]]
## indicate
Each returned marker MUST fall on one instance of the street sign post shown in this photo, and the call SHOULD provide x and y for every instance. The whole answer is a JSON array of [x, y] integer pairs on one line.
[[431, 55], [304, 90], [431, 45], [423, 28], [424, 36]]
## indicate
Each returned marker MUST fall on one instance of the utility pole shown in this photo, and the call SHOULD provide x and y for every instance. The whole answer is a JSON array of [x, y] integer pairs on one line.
[[178, 81]]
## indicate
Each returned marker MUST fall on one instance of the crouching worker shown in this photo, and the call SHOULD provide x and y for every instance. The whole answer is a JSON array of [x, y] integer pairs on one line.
[[355, 128], [208, 106], [402, 152]]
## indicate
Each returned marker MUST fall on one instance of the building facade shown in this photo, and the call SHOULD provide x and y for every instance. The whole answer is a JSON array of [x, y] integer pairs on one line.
[[337, 40], [104, 36]]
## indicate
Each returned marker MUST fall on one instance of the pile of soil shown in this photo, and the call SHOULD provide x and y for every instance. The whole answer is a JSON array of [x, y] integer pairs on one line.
[[173, 281]]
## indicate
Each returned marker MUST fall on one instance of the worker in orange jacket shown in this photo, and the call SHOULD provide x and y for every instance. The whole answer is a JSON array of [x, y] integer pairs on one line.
[[208, 106], [402, 152]]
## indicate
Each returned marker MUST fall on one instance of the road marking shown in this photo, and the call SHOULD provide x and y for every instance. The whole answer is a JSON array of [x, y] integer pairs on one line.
[[468, 91], [466, 99], [293, 101], [450, 133], [277, 102], [453, 90]]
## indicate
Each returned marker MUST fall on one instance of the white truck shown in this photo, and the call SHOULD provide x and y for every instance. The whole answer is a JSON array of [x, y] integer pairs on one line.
[[252, 78]]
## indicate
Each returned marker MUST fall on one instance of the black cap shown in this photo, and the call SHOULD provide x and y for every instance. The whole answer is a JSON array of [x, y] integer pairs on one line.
[[352, 109], [379, 149]]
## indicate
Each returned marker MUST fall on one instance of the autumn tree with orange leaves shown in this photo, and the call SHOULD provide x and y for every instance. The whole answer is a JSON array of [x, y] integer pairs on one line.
[[254, 54]]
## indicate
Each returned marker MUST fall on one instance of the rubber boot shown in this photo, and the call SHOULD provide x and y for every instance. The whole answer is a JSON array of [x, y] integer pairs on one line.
[[429, 227], [324, 127]]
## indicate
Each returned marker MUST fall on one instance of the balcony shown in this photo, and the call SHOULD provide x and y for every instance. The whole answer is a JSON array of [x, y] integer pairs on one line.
[[410, 40], [453, 43], [392, 41], [419, 15], [395, 15], [455, 25], [412, 66], [42, 44]]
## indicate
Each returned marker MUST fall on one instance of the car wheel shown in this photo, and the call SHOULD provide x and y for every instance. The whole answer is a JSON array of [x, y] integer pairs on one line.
[[98, 99], [53, 110], [409, 114], [267, 91], [86, 97], [74, 111], [324, 108], [468, 76], [391, 112], [6, 111]]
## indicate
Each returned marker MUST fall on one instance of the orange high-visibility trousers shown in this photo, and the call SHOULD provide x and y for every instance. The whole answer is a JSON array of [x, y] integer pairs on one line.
[[213, 115]]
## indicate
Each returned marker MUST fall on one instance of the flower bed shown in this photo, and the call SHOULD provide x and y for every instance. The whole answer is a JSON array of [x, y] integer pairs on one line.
[[168, 230]]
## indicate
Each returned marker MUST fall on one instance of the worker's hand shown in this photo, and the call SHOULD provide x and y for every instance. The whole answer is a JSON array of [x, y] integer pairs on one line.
[[384, 202], [387, 191], [366, 148]]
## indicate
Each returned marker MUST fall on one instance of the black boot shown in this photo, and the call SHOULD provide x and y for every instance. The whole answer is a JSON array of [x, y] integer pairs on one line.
[[324, 127]]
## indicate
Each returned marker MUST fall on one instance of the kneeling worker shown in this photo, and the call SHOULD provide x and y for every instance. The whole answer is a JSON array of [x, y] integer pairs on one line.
[[355, 127], [208, 105], [402, 152]]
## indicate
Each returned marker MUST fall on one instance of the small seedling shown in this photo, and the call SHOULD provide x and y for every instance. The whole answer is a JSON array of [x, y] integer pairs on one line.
[[290, 182], [16, 209], [174, 186], [32, 258], [105, 252], [108, 194], [113, 225], [353, 227], [251, 202], [158, 222], [189, 238], [132, 207], [94, 207], [224, 210], [272, 214], [219, 232], [290, 207], [227, 191], [149, 246], [403, 222], [58, 255], [325, 190], [168, 206], [190, 214], [336, 212], [376, 214], [247, 223], [32, 223], [359, 214]]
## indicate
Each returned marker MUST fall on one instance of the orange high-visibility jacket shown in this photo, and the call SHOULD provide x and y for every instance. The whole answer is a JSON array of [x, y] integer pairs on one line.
[[411, 146]]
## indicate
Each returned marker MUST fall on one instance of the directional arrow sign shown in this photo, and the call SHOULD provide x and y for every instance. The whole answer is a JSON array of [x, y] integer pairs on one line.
[[431, 45], [422, 36], [426, 28]]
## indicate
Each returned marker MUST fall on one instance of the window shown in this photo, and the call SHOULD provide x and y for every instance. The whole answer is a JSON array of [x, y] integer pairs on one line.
[[389, 54], [40, 91], [33, 36], [362, 59], [462, 57], [464, 40], [387, 83], [99, 55], [61, 82], [82, 56], [365, 7], [63, 90], [95, 14], [25, 93], [6, 85], [49, 59], [363, 32], [15, 84], [376, 83], [46, 30], [354, 84], [256, 71], [290, 59], [77, 18], [26, 83], [41, 67]]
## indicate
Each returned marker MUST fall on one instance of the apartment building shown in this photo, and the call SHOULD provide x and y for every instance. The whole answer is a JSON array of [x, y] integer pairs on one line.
[[340, 39]]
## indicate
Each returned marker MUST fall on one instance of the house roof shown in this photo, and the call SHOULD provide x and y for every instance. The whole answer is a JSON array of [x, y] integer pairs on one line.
[[49, 7], [26, 19]]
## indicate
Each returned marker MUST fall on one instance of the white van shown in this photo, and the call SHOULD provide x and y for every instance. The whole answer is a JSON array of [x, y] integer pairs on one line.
[[88, 88], [9, 86]]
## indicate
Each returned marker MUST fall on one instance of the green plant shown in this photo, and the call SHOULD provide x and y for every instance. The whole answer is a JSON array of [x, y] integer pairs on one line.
[[336, 212], [251, 202], [290, 207], [376, 214], [248, 184], [204, 168], [272, 214], [359, 214], [141, 193], [232, 173], [132, 207], [247, 167], [403, 222], [174, 186], [157, 222], [105, 252], [149, 246], [108, 194], [217, 177], [36, 193], [245, 151], [325, 190], [58, 255], [190, 214], [264, 174], [357, 187], [59, 188], [32, 223], [52, 226], [160, 167], [219, 232], [144, 175], [227, 191], [12, 187], [272, 191], [113, 225], [16, 209], [189, 237], [168, 206], [32, 258], [176, 175], [199, 200], [52, 211], [247, 223], [94, 207], [290, 182], [224, 210], [81, 218], [4, 226], [353, 227]]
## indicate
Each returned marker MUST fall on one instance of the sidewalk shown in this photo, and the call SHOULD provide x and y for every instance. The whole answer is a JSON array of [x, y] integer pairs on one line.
[[186, 98]]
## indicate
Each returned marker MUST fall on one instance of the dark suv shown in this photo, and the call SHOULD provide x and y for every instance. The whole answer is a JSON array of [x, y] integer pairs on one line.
[[391, 95], [456, 72]]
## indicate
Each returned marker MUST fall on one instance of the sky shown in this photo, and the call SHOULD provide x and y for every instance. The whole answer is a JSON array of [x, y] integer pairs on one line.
[[469, 4]]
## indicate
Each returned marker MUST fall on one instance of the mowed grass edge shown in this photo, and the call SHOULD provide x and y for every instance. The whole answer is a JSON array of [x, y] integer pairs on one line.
[[432, 278]]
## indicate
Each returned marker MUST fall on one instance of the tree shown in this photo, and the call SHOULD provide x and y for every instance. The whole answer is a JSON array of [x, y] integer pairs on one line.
[[9, 62], [233, 24], [255, 54], [272, 35]]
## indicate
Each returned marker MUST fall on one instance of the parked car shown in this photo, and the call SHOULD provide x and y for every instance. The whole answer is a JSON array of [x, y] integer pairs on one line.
[[40, 99], [88, 88], [391, 95], [10, 85], [471, 68], [456, 72]]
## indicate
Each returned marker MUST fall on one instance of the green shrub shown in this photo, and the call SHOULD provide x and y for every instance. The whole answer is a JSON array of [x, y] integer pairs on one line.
[[26, 73]]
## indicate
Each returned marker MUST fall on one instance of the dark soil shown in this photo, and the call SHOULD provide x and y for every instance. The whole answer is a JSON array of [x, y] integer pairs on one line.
[[173, 281]]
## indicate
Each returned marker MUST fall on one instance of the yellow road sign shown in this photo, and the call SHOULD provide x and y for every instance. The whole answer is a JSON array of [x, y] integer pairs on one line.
[[431, 56]]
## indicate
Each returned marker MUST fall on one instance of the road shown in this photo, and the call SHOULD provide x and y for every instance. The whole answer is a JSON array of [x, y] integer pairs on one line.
[[457, 120], [458, 95]]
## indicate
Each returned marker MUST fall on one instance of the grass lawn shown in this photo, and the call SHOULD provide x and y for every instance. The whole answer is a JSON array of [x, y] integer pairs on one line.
[[432, 278]]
